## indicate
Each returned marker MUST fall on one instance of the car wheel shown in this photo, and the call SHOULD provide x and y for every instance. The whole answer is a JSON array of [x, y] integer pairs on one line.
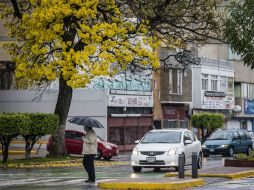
[[200, 160], [248, 151], [107, 157], [206, 155], [136, 169], [98, 155], [231, 152], [157, 169]]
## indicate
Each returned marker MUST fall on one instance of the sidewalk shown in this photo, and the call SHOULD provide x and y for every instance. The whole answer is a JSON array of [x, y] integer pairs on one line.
[[144, 183], [221, 172], [171, 181]]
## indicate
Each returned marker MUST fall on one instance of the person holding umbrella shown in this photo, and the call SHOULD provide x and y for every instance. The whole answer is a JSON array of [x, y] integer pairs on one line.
[[89, 151], [90, 143]]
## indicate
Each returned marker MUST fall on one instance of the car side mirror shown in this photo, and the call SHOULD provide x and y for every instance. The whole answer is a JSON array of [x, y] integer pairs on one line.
[[187, 142], [137, 141]]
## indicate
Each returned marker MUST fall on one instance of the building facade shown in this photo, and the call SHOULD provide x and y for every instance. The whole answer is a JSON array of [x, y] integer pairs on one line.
[[242, 115], [213, 87], [172, 96]]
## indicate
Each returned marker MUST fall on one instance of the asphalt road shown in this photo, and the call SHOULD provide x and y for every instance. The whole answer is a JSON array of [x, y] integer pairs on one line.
[[73, 178]]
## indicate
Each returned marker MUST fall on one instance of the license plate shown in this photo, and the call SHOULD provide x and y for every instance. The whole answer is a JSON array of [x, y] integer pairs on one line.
[[211, 150], [150, 159]]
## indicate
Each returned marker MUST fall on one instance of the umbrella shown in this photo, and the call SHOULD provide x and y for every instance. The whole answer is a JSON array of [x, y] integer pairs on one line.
[[86, 121]]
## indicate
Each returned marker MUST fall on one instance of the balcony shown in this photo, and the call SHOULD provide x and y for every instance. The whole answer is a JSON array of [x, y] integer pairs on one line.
[[218, 64]]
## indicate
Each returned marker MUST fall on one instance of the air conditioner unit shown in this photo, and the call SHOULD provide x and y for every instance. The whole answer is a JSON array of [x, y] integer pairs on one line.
[[237, 108]]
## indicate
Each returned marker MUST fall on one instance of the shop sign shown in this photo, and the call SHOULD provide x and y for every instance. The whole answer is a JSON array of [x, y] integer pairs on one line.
[[248, 106], [130, 101], [215, 94], [226, 102]]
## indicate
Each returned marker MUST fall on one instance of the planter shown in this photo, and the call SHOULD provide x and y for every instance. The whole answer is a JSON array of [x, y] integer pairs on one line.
[[238, 163]]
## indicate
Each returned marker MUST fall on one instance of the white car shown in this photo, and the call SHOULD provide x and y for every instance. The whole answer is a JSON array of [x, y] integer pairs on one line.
[[160, 148]]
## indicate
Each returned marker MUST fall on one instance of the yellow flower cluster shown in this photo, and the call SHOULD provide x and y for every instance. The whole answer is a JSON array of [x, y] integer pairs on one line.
[[78, 39]]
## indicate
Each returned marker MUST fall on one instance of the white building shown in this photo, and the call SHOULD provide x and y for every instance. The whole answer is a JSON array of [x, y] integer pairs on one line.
[[213, 87]]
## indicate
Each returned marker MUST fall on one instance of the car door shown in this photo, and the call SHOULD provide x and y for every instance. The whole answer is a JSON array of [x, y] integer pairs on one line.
[[243, 142], [236, 141], [195, 146], [73, 142], [187, 148]]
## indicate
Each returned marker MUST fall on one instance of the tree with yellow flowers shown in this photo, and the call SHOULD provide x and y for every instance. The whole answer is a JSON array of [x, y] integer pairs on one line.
[[73, 41]]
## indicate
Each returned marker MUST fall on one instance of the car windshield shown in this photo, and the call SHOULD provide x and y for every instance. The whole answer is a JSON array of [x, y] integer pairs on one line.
[[162, 137], [221, 135]]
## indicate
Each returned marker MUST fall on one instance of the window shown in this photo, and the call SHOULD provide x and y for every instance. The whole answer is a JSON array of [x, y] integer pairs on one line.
[[223, 84], [236, 136], [242, 135], [73, 135], [162, 137], [204, 81], [230, 85], [214, 82], [154, 84], [251, 91], [186, 137], [237, 89], [191, 136], [7, 75], [175, 81]]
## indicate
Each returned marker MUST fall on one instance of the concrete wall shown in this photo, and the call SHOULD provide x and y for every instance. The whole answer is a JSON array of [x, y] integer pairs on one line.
[[221, 51], [213, 51], [196, 85], [232, 124], [92, 103], [186, 95], [243, 73]]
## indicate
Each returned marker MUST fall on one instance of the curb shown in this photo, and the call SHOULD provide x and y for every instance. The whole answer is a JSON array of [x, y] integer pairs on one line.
[[148, 185], [24, 142], [232, 176], [56, 164], [18, 152]]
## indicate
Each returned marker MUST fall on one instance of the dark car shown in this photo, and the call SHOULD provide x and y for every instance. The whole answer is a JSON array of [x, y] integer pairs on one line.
[[228, 143], [74, 145]]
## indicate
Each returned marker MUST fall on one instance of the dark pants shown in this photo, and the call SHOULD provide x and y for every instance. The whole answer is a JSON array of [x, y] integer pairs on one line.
[[88, 163]]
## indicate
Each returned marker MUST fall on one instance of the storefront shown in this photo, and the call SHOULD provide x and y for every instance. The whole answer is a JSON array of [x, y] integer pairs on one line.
[[129, 117]]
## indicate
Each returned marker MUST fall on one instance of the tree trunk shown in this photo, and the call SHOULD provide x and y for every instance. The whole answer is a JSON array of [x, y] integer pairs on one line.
[[62, 110], [28, 153], [203, 134], [30, 142], [5, 143]]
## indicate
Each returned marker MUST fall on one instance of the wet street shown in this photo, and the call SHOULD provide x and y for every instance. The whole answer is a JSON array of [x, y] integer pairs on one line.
[[73, 178]]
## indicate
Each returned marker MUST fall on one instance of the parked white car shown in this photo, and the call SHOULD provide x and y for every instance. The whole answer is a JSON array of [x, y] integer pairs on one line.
[[161, 148]]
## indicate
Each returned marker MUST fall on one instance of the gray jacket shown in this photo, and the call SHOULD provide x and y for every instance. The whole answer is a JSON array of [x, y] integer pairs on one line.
[[90, 143]]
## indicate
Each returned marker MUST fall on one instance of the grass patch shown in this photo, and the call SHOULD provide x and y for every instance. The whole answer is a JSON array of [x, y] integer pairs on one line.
[[245, 157], [40, 160]]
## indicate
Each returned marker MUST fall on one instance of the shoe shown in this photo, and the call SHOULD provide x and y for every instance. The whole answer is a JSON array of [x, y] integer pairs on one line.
[[91, 183], [87, 181]]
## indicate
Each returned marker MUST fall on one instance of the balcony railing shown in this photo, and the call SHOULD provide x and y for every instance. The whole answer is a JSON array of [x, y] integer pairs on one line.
[[217, 63]]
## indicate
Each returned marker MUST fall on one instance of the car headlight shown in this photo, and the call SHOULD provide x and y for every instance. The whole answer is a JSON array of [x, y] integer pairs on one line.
[[107, 146], [224, 145], [203, 146], [172, 151], [135, 151]]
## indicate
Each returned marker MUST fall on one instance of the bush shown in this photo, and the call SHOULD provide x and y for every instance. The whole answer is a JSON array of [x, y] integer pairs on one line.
[[10, 127], [40, 124], [31, 126], [208, 122]]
